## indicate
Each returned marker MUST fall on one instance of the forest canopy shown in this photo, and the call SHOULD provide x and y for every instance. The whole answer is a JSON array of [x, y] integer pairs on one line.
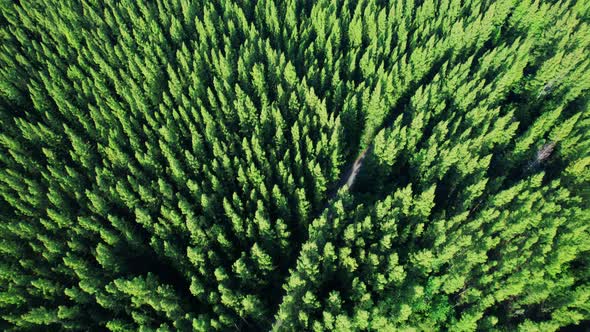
[[293, 165]]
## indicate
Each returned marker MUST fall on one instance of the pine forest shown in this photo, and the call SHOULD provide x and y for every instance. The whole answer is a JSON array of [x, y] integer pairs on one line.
[[295, 165]]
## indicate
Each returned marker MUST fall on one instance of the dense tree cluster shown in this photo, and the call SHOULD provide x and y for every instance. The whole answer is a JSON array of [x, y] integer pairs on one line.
[[178, 165]]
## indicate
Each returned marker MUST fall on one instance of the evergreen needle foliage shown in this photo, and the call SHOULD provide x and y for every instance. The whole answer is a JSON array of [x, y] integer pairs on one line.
[[184, 165]]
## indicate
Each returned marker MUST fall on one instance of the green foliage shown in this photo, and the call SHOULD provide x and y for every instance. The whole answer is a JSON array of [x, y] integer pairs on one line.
[[294, 166]]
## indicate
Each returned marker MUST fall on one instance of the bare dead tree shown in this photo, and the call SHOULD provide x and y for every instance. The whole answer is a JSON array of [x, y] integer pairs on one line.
[[356, 167], [545, 151], [548, 88], [542, 155]]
